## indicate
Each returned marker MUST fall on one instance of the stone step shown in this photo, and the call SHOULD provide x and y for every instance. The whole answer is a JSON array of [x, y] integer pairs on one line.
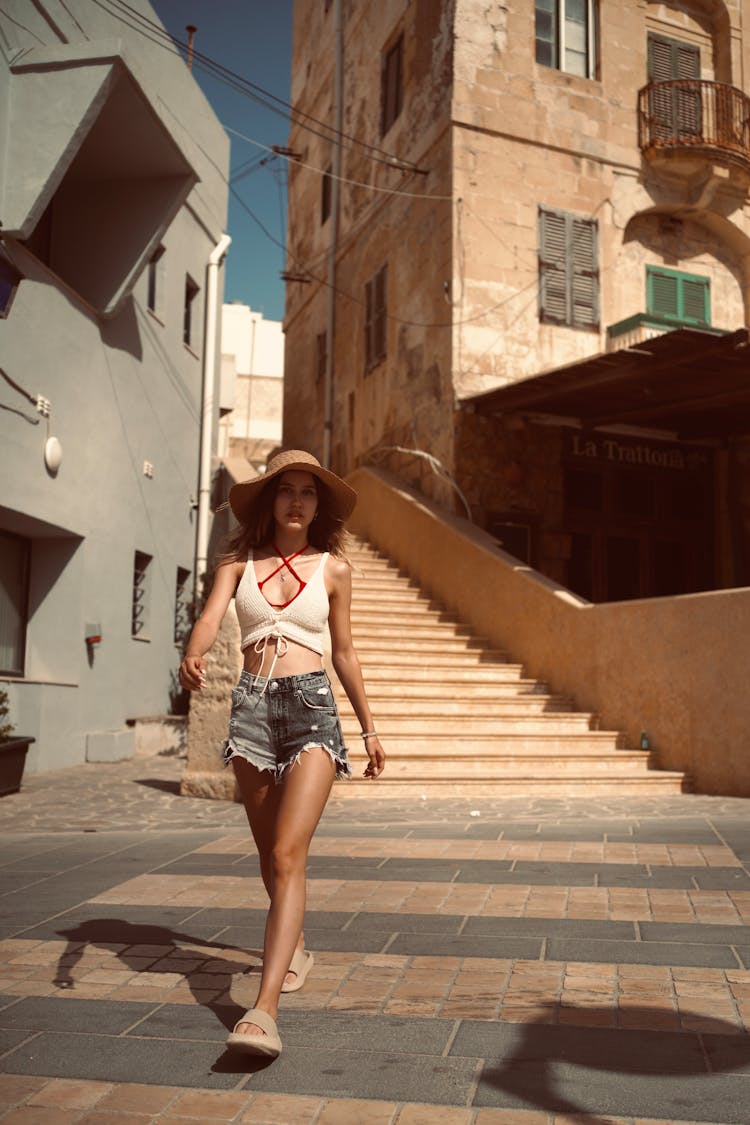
[[465, 726], [432, 659], [438, 646], [653, 783], [503, 692], [520, 765], [449, 747], [395, 704], [394, 600], [416, 673], [375, 628]]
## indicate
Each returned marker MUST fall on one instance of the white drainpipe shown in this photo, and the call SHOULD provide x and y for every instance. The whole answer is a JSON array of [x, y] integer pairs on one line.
[[207, 412]]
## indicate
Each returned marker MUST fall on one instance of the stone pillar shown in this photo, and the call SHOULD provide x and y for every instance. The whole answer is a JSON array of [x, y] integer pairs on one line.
[[208, 723]]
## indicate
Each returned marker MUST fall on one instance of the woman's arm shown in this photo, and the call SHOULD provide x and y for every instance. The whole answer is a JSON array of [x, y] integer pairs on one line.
[[346, 661], [203, 635]]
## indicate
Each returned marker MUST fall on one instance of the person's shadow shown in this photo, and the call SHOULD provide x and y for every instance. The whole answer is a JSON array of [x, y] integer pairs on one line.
[[620, 1070], [106, 932]]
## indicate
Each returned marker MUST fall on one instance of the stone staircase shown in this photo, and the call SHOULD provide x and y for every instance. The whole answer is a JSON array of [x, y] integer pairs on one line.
[[460, 719]]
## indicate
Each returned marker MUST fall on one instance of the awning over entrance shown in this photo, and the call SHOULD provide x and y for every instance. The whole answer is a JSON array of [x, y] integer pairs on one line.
[[686, 381]]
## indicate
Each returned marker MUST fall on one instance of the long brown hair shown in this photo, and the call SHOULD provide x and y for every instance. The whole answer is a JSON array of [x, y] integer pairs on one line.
[[326, 532]]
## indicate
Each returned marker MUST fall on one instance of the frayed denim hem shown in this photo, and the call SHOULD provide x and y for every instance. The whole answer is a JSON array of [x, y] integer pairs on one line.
[[257, 758]]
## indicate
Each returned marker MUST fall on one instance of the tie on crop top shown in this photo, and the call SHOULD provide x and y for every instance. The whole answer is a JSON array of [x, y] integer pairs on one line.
[[302, 620]]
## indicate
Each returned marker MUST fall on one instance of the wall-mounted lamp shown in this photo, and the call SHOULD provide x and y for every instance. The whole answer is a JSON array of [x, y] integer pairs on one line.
[[53, 455], [93, 634]]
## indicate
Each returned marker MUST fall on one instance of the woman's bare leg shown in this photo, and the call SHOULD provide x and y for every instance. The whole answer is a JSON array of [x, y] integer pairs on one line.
[[260, 796], [300, 802]]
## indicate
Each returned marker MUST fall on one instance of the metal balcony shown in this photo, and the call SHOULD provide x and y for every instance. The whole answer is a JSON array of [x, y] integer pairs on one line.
[[691, 117]]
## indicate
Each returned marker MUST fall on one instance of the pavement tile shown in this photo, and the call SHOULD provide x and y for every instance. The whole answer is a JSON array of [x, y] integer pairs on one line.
[[434, 1115], [68, 1093], [281, 1109], [134, 1098], [346, 1111], [15, 1089], [220, 1105], [41, 1115]]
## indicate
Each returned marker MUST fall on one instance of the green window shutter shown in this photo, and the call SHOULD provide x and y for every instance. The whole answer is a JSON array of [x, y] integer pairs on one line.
[[680, 297], [585, 273], [662, 299], [695, 296], [553, 295]]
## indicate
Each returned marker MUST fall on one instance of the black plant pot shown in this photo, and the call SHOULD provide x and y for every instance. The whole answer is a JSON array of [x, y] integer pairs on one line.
[[12, 762]]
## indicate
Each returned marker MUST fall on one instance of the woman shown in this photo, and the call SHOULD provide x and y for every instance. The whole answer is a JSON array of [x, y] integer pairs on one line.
[[286, 569]]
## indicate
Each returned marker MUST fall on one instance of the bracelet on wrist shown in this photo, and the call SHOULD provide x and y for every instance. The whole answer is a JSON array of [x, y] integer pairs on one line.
[[368, 734]]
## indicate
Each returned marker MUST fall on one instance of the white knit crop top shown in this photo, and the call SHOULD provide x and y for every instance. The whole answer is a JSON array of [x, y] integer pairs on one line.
[[303, 620]]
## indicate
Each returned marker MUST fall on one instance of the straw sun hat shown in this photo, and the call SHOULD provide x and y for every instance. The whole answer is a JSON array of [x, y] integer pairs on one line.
[[243, 496]]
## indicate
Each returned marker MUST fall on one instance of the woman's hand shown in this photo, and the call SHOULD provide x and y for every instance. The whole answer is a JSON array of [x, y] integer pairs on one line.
[[193, 672], [376, 754]]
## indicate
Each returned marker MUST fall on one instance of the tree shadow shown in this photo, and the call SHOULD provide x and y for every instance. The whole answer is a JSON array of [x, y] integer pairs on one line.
[[548, 1064], [106, 932]]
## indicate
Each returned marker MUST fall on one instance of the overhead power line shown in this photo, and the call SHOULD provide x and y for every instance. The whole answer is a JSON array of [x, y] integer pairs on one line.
[[153, 31]]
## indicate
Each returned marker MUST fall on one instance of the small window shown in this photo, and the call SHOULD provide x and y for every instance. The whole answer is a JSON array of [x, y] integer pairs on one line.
[[376, 318], [568, 270], [9, 281], [392, 80], [325, 195], [321, 357], [155, 282], [141, 591], [182, 606], [680, 297], [15, 553], [188, 326], [565, 35]]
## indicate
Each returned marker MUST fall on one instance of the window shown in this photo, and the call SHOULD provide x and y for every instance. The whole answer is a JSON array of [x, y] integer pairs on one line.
[[325, 195], [155, 278], [188, 327], [321, 356], [376, 318], [681, 297], [565, 34], [9, 279], [14, 584], [568, 270], [141, 591], [674, 111], [392, 85], [182, 606]]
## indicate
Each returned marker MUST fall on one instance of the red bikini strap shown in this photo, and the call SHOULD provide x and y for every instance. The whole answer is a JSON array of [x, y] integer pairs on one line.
[[286, 562]]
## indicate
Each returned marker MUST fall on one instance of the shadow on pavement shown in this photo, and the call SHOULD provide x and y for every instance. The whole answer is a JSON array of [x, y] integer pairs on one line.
[[160, 783], [106, 932], [548, 1064]]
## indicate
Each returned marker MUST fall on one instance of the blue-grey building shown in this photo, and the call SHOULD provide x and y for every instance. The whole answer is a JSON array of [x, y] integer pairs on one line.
[[113, 199]]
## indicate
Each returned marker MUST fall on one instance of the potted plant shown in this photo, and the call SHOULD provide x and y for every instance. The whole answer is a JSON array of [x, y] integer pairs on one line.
[[12, 751]]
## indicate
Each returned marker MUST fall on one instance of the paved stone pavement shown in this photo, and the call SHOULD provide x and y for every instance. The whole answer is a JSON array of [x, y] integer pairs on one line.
[[486, 962]]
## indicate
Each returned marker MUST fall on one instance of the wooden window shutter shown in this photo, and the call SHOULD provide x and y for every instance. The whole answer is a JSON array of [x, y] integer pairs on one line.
[[584, 273], [659, 59], [662, 294], [695, 300], [553, 303]]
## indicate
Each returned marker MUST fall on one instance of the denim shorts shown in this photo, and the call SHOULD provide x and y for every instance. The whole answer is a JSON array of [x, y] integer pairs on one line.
[[274, 721]]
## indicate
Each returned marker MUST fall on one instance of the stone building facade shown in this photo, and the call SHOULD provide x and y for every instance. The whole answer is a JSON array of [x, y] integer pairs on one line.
[[521, 188], [113, 198]]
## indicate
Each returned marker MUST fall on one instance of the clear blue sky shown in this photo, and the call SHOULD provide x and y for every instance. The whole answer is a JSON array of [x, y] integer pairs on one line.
[[254, 39]]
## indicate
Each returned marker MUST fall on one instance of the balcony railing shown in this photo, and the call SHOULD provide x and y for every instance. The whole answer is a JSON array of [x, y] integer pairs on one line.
[[690, 113], [644, 326]]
